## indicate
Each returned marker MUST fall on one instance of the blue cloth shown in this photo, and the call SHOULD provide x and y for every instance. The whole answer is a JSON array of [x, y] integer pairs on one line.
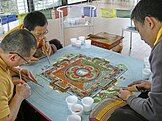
[[52, 103]]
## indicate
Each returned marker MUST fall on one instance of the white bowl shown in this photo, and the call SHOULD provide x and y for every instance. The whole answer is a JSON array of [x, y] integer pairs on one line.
[[87, 103], [71, 100], [74, 117], [76, 109]]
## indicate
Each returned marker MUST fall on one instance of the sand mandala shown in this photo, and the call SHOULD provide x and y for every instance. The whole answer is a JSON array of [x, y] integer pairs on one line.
[[82, 75]]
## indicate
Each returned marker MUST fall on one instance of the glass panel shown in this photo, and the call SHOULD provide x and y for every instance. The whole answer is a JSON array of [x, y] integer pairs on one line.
[[22, 6], [8, 6], [44, 4], [75, 1]]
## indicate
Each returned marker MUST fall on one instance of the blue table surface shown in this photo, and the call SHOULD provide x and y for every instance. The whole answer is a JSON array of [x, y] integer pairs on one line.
[[52, 103]]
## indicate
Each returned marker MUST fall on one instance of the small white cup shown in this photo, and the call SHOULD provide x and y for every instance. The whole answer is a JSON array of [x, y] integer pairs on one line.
[[82, 39], [71, 100], [73, 41], [87, 103], [88, 43], [78, 43], [73, 117], [76, 109]]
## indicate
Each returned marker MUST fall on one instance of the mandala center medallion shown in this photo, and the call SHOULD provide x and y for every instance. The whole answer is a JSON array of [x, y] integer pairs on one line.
[[82, 72]]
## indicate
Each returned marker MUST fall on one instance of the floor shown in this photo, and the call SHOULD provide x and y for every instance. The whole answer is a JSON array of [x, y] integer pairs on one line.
[[139, 50]]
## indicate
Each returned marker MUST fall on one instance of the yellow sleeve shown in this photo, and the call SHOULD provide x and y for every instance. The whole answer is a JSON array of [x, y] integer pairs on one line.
[[4, 102]]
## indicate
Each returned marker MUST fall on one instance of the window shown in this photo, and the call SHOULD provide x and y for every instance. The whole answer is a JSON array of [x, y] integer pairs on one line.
[[6, 6], [75, 1], [45, 4]]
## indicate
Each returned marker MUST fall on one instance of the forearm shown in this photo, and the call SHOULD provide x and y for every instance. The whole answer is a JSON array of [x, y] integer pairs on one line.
[[14, 108], [141, 106]]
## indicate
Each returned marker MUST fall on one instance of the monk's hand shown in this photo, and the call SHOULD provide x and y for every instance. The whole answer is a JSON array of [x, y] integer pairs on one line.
[[124, 94], [141, 85], [16, 80], [27, 74], [33, 59], [132, 88], [23, 91], [46, 48]]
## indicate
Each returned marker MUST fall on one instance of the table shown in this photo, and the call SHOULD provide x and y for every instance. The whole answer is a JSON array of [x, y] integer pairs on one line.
[[52, 103]]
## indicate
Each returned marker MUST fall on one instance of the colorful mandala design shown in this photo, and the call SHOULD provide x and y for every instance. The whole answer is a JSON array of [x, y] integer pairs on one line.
[[82, 73]]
